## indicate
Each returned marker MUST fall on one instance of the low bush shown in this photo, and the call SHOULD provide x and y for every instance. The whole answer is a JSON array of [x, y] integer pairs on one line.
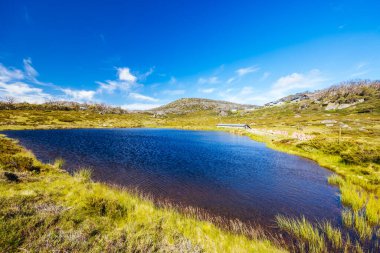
[[351, 152], [66, 119], [8, 147], [101, 206], [17, 163]]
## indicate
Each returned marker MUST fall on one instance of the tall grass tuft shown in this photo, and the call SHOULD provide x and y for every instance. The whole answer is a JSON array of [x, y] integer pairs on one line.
[[335, 180], [304, 231], [373, 210], [347, 218], [59, 162], [353, 196], [83, 175], [362, 228], [333, 234]]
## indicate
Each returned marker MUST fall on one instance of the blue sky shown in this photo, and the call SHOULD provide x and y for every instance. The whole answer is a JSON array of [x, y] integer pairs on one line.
[[140, 54]]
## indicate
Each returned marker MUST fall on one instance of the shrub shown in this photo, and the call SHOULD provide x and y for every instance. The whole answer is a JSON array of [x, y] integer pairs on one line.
[[357, 154], [17, 163], [66, 119], [351, 152], [105, 207], [8, 146]]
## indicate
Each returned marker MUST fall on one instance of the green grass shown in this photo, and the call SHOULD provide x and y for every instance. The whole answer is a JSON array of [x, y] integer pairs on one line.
[[363, 229], [83, 175], [353, 196], [58, 163], [347, 218], [50, 210], [334, 235], [335, 179], [310, 238], [373, 209], [353, 155]]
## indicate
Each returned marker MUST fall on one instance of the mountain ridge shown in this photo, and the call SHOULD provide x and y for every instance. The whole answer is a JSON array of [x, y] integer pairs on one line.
[[340, 96]]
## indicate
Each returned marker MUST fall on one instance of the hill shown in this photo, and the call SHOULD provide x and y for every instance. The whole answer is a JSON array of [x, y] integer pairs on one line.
[[188, 105], [341, 96], [337, 127]]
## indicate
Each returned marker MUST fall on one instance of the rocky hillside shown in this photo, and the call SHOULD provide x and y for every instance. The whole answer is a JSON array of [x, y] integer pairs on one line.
[[341, 96], [188, 105], [337, 97]]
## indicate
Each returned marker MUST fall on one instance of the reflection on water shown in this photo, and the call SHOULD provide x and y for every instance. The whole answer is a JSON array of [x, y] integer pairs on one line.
[[228, 175]]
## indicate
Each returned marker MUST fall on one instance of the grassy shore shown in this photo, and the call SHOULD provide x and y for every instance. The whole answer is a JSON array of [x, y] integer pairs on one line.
[[345, 141], [43, 209]]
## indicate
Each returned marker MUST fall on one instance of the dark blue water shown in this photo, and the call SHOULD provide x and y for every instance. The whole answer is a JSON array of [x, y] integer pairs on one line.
[[228, 175]]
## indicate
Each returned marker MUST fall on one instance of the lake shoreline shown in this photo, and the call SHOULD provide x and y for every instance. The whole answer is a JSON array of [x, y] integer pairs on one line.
[[188, 193], [349, 183]]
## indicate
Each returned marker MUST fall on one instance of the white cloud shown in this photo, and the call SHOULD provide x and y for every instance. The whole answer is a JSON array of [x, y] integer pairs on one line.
[[138, 96], [140, 106], [209, 80], [242, 96], [13, 83], [124, 74], [30, 72], [8, 74], [230, 80], [23, 92], [245, 71], [146, 74], [283, 86], [80, 95], [342, 26], [295, 82], [173, 80], [107, 86], [265, 76], [174, 92], [247, 90], [110, 86], [361, 69], [20, 85], [207, 91], [360, 73], [361, 65], [124, 82], [18, 88], [242, 72]]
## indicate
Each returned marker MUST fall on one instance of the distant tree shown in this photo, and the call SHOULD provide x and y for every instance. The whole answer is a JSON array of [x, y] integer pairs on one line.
[[9, 102]]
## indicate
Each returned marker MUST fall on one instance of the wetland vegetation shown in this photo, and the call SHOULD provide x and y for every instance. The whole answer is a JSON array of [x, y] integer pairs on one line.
[[44, 208]]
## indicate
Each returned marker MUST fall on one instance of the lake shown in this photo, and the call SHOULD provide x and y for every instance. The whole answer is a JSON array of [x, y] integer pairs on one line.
[[225, 174]]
